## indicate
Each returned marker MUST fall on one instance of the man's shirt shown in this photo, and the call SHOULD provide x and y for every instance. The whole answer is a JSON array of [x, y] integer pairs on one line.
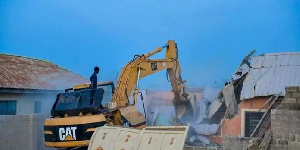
[[93, 80]]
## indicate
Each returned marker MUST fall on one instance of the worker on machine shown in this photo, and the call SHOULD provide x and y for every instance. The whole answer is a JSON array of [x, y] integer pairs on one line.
[[93, 80]]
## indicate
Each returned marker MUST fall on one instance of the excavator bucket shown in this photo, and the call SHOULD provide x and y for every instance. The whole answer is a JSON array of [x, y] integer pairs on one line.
[[150, 138], [186, 110]]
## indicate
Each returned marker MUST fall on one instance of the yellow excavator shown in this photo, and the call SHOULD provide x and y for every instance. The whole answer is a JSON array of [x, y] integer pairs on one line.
[[75, 117]]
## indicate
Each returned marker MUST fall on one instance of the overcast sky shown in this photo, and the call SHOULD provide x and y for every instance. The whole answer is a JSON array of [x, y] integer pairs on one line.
[[212, 36]]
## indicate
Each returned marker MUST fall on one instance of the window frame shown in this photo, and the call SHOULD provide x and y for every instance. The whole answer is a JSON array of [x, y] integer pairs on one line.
[[36, 108], [243, 118], [14, 112]]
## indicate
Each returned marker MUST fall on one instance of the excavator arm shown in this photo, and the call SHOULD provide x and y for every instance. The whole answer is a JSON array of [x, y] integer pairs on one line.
[[121, 112], [142, 66]]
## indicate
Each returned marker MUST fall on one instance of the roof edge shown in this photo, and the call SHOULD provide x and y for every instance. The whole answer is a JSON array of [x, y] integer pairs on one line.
[[277, 54], [43, 60], [22, 91]]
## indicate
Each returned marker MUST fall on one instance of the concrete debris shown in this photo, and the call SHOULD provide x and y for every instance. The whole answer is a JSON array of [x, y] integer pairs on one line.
[[206, 129], [208, 100], [210, 94], [235, 143], [211, 147], [194, 104], [230, 100], [265, 144], [254, 144], [200, 138], [161, 120], [202, 109], [163, 116], [213, 108]]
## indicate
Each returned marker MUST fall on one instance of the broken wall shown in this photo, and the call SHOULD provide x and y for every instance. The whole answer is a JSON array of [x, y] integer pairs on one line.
[[285, 121], [235, 143], [236, 125], [285, 127]]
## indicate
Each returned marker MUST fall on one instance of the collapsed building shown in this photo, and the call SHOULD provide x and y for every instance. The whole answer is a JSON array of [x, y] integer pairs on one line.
[[243, 107], [242, 110]]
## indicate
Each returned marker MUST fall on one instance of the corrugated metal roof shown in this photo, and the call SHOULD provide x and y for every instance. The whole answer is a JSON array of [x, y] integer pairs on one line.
[[28, 73], [270, 74]]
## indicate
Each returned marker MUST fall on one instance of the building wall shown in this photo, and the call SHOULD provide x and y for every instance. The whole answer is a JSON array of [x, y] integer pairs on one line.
[[22, 132], [26, 102], [285, 121], [236, 126], [238, 121], [284, 133]]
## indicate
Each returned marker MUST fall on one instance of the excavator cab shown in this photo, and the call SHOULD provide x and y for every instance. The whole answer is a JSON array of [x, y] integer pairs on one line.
[[82, 99], [76, 114]]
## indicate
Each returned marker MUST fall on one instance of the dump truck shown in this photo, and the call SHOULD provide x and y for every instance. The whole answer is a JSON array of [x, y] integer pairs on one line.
[[149, 138], [75, 117]]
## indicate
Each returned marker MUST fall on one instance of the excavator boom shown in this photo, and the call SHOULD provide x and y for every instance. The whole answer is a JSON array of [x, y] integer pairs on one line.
[[142, 66]]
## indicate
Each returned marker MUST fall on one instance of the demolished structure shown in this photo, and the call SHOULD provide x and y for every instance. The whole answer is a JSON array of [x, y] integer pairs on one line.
[[240, 114], [243, 108], [283, 127]]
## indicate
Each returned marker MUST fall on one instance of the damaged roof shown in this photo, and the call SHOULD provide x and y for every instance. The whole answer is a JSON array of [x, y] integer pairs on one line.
[[28, 73], [269, 74]]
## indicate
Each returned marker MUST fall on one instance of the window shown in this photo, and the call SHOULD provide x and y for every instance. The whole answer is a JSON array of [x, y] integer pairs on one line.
[[8, 107], [251, 120], [37, 107]]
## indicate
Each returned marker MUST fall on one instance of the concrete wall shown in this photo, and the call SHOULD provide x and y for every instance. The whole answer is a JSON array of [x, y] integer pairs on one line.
[[22, 132], [26, 102], [285, 121]]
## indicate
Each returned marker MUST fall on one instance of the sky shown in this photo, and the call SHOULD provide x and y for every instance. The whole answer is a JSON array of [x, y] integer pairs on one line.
[[212, 36]]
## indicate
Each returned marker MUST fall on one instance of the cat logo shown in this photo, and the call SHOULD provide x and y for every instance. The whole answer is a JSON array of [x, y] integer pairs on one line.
[[67, 134]]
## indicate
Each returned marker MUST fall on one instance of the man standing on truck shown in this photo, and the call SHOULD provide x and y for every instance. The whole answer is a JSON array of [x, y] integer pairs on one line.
[[93, 80]]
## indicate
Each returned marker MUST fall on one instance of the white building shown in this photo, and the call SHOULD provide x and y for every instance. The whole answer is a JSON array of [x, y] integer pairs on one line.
[[29, 86]]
